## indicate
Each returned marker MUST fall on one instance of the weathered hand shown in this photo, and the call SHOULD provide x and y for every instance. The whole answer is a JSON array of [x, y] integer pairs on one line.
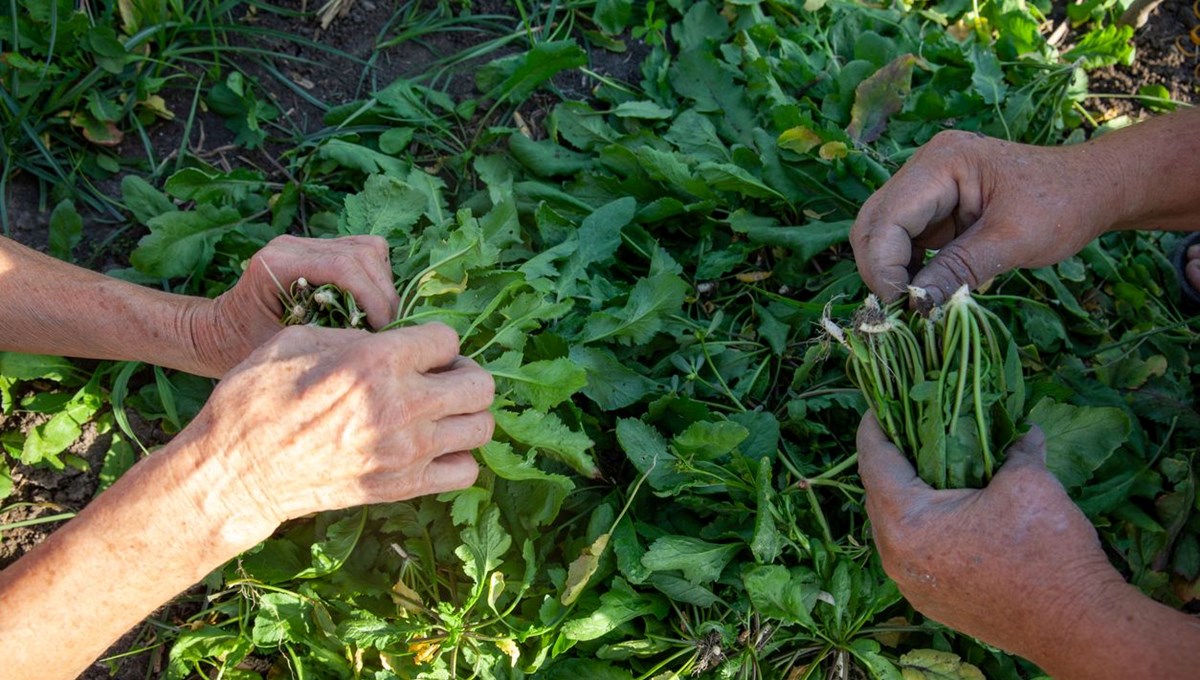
[[246, 316], [319, 419], [1015, 564], [989, 206]]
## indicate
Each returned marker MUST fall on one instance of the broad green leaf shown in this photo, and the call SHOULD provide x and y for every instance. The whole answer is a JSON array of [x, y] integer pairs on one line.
[[526, 313], [483, 546], [143, 200], [647, 450], [778, 592], [988, 78], [644, 315], [545, 158], [361, 158], [931, 664], [540, 384], [20, 366], [708, 440], [66, 230], [332, 551], [550, 490], [600, 232], [646, 110], [806, 241], [700, 561], [1104, 46], [547, 433], [880, 96], [386, 207], [180, 243], [396, 140], [682, 590], [6, 480], [50, 439], [729, 177], [275, 561], [576, 668], [1079, 438], [194, 184], [613, 15], [618, 605], [696, 136], [282, 617], [763, 440], [119, 458], [610, 383], [205, 642], [537, 66]]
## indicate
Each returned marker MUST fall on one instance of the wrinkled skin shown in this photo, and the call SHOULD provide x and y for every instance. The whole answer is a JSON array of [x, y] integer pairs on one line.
[[248, 314]]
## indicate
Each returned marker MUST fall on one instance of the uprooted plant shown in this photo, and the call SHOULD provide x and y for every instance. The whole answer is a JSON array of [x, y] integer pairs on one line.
[[946, 386]]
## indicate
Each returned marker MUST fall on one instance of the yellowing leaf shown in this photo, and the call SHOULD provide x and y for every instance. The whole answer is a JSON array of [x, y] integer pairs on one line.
[[833, 150], [158, 106], [495, 589], [878, 97], [510, 648], [424, 651], [753, 277], [98, 132], [408, 599], [930, 664], [581, 570], [799, 139]]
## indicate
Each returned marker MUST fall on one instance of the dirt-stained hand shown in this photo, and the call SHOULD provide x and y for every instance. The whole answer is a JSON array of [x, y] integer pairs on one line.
[[248, 314], [988, 205], [318, 419], [1015, 564]]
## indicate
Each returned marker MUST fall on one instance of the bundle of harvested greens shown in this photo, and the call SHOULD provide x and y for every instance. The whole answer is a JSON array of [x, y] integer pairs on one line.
[[946, 385], [328, 306]]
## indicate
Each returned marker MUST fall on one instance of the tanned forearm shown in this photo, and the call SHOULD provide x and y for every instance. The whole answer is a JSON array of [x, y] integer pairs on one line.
[[1158, 173], [51, 307], [1129, 636], [160, 529]]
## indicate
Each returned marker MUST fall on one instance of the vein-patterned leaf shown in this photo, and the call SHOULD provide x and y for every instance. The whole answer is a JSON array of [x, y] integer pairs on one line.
[[650, 303], [180, 243], [540, 384], [483, 546], [617, 606], [385, 207], [699, 560], [547, 433]]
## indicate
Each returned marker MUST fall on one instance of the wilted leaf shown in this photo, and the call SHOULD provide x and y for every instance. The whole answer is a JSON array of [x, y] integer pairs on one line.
[[878, 97], [931, 664]]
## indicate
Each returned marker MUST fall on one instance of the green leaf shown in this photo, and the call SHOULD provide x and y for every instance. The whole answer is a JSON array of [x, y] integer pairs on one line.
[[117, 461], [778, 592], [396, 140], [729, 177], [143, 200], [538, 65], [931, 664], [50, 439], [708, 440], [35, 367], [1104, 46], [576, 668], [767, 542], [194, 184], [274, 561], [483, 546], [181, 243], [613, 15], [545, 158], [805, 242], [619, 605], [988, 78], [600, 232], [880, 96], [644, 314], [282, 617], [610, 383], [700, 561], [645, 110], [500, 459], [386, 207], [361, 158], [332, 551], [547, 433], [66, 230], [647, 450], [1079, 438], [540, 384]]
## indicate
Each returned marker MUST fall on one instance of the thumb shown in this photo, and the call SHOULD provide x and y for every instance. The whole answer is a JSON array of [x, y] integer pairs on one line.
[[1027, 453], [974, 257]]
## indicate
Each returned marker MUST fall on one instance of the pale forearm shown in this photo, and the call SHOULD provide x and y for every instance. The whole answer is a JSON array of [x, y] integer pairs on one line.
[[160, 529], [51, 307]]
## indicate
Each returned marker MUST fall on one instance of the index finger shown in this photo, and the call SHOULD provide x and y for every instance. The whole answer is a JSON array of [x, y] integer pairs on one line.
[[903, 208]]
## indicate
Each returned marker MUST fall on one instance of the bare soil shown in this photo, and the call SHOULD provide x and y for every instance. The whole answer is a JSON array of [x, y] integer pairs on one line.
[[1165, 56]]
